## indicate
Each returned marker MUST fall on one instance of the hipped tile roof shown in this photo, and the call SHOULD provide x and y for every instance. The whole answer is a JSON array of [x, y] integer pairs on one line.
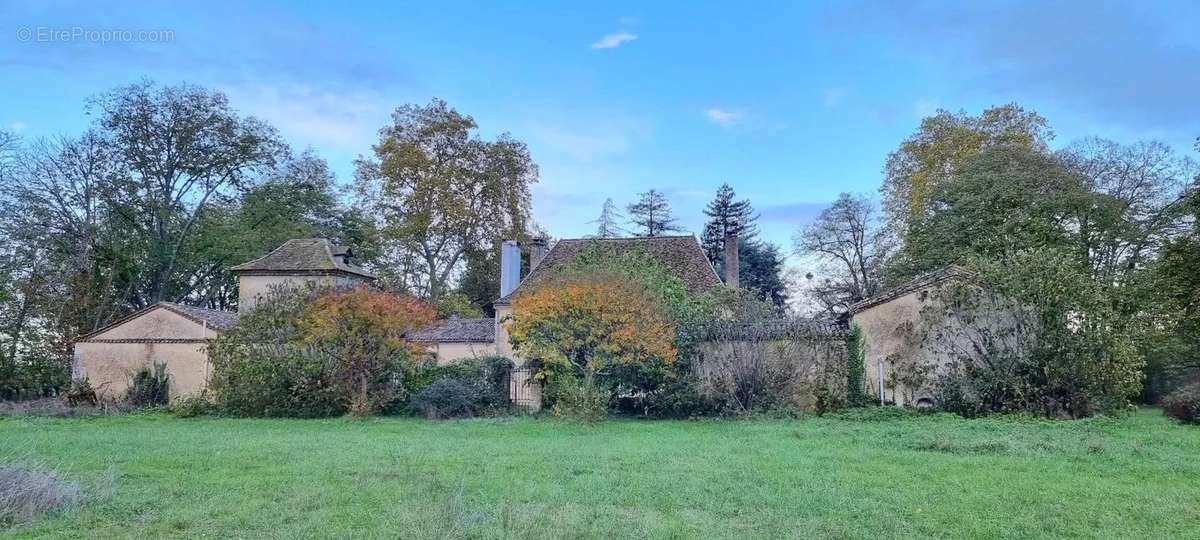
[[303, 255]]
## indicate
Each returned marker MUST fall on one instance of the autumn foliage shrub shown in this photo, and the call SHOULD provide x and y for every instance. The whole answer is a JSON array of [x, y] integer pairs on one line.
[[314, 353], [586, 328]]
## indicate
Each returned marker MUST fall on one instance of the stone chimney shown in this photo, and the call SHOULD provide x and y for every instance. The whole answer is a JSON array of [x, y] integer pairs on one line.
[[537, 251], [510, 267], [731, 260]]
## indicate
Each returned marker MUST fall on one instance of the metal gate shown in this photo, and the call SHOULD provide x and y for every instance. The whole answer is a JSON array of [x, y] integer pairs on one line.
[[523, 389]]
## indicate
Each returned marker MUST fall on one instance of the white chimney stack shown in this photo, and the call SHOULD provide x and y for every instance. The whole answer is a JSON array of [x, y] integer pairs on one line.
[[510, 267]]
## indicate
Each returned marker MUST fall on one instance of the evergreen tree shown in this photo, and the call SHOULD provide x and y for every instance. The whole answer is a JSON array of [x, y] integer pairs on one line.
[[607, 224], [726, 216], [652, 215], [759, 269]]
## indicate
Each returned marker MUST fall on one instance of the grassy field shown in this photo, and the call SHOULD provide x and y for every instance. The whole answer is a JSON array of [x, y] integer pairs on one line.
[[933, 476]]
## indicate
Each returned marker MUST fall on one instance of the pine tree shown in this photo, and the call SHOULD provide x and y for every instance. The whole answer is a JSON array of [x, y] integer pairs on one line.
[[726, 216], [652, 215], [607, 224]]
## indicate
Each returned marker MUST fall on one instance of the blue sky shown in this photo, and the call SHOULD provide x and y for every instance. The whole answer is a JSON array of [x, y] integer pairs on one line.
[[791, 103]]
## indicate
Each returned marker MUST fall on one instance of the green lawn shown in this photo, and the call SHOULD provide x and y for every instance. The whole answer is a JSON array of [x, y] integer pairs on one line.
[[936, 476]]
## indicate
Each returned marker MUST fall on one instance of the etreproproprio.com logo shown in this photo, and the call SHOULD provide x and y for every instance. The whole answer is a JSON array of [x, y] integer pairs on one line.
[[55, 34]]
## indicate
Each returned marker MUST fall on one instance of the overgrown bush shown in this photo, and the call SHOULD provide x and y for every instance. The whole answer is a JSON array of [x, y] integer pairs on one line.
[[1035, 334], [579, 400], [681, 396], [446, 398], [81, 393], [40, 368], [469, 387], [149, 387], [191, 406], [27, 492], [856, 367], [613, 315], [312, 353], [1184, 404], [758, 359]]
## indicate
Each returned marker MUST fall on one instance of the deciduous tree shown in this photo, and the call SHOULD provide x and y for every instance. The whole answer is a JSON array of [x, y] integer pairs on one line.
[[590, 324], [850, 244], [441, 191], [931, 157]]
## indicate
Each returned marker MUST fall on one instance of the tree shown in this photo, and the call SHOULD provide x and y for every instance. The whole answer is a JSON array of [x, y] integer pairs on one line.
[[1172, 289], [652, 215], [760, 262], [457, 304], [1138, 201], [589, 325], [607, 224], [298, 200], [64, 272], [931, 157], [177, 147], [442, 191], [726, 216], [480, 281], [1006, 200], [312, 352], [851, 245], [760, 270], [363, 331]]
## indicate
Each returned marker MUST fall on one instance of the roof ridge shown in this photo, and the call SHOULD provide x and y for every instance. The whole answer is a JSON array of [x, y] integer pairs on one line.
[[627, 238], [924, 279]]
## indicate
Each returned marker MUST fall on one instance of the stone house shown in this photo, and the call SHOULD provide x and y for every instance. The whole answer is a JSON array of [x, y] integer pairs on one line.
[[177, 335], [907, 340]]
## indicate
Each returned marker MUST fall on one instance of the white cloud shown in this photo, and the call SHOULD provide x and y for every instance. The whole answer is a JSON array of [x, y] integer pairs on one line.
[[722, 117], [612, 41], [328, 119], [17, 127]]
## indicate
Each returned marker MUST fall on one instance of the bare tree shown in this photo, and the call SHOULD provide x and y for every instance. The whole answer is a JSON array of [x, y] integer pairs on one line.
[[850, 246]]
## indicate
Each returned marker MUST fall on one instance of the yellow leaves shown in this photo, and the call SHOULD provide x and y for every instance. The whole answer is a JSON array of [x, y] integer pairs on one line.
[[591, 323], [363, 312]]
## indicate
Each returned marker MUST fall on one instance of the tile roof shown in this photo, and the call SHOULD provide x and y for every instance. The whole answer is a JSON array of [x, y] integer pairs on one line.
[[215, 319], [304, 255], [920, 282], [455, 330], [682, 255]]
